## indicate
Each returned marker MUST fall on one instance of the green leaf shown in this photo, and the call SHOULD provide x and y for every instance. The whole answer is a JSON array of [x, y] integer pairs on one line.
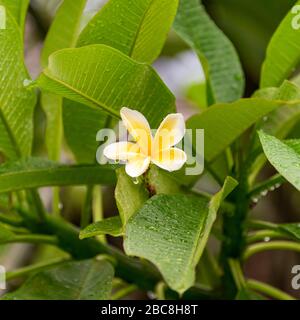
[[112, 226], [283, 53], [294, 143], [62, 34], [283, 157], [140, 36], [223, 123], [83, 280], [34, 172], [219, 59], [5, 234], [64, 29], [102, 77], [159, 182], [292, 229], [138, 28], [18, 9], [52, 106], [130, 195], [281, 121], [81, 124], [171, 231], [16, 102]]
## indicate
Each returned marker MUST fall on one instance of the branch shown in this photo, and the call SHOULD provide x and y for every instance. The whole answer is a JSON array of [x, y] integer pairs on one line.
[[262, 235], [134, 271], [268, 185], [268, 290], [32, 238], [33, 268], [275, 245]]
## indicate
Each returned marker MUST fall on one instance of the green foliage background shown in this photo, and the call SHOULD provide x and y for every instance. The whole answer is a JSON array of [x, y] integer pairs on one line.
[[164, 233]]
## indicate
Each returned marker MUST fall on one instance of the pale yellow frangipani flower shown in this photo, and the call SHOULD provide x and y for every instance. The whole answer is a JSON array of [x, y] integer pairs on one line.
[[159, 150]]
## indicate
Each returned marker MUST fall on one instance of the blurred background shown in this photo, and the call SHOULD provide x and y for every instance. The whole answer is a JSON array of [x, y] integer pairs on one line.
[[249, 24]]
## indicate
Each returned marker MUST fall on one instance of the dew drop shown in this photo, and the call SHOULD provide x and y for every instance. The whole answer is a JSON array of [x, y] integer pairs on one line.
[[27, 82], [255, 200], [151, 295], [264, 193], [136, 181], [267, 239]]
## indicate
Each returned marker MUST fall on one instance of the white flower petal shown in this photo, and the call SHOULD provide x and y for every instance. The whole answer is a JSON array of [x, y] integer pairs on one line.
[[138, 165], [171, 160], [138, 126], [169, 133], [121, 151]]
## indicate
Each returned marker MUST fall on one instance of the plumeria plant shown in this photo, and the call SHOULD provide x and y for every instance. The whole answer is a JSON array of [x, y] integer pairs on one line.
[[178, 235]]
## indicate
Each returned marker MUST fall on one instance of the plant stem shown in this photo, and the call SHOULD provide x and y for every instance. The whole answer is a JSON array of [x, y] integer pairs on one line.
[[87, 207], [237, 273], [138, 272], [234, 233], [258, 224], [124, 292], [266, 185], [275, 245], [34, 268], [11, 221], [268, 290], [160, 290], [55, 201], [37, 204], [32, 238], [98, 208], [266, 234]]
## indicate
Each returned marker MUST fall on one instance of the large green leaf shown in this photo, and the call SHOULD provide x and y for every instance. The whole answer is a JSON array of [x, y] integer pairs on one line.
[[112, 226], [81, 124], [223, 123], [62, 34], [137, 28], [141, 36], [220, 61], [35, 172], [283, 157], [283, 53], [171, 231], [16, 101], [130, 195], [281, 121], [83, 280], [18, 9], [64, 29], [100, 76]]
